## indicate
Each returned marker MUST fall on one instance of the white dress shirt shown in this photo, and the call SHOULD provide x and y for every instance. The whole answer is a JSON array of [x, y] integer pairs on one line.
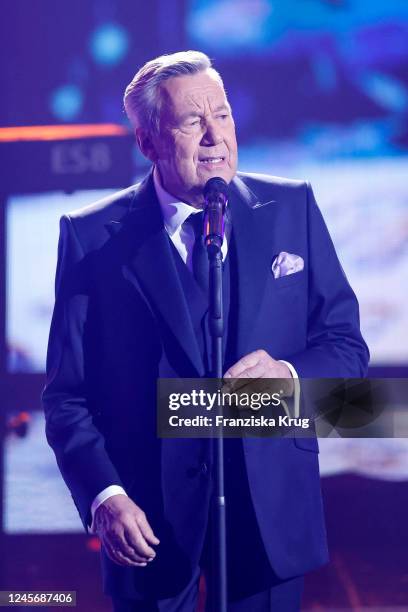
[[174, 214]]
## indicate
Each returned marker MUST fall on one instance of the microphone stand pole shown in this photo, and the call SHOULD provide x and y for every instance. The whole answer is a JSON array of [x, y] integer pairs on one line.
[[216, 325]]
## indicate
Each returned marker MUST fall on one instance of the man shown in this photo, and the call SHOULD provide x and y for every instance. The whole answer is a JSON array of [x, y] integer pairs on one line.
[[129, 309]]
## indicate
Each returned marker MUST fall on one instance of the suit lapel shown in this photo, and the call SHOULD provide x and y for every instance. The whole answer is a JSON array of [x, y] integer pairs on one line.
[[150, 264], [151, 268], [252, 249]]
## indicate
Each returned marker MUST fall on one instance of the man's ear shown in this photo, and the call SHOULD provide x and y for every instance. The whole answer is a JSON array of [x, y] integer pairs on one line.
[[145, 143]]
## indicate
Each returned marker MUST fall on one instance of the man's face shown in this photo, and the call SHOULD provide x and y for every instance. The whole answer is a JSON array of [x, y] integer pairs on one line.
[[197, 136]]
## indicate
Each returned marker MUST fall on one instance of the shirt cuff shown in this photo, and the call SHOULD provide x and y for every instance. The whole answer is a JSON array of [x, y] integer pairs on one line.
[[296, 392], [103, 496]]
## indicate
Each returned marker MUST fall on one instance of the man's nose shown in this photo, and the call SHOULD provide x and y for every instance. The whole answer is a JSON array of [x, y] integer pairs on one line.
[[212, 134]]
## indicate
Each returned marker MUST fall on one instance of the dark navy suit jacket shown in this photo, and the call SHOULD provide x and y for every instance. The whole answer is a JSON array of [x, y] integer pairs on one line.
[[121, 321]]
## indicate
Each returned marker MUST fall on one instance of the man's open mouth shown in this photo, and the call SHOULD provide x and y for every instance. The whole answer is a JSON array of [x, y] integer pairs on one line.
[[211, 160]]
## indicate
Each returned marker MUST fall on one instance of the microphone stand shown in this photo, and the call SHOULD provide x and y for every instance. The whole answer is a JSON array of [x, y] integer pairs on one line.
[[216, 327]]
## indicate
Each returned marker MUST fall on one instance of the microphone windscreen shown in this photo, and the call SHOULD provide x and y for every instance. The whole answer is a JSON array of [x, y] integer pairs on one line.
[[214, 187]]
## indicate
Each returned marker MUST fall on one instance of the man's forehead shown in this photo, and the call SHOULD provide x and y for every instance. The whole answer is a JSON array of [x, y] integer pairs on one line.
[[189, 92]]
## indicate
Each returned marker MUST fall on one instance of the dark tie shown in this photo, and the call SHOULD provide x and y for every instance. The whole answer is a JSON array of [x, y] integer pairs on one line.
[[199, 257]]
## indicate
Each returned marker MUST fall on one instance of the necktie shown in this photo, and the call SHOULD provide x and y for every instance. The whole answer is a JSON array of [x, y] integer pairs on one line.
[[199, 256]]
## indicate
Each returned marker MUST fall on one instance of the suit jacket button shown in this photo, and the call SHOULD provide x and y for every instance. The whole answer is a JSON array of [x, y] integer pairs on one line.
[[204, 468]]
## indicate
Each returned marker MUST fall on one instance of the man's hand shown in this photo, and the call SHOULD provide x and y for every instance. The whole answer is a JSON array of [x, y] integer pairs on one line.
[[125, 532], [258, 365]]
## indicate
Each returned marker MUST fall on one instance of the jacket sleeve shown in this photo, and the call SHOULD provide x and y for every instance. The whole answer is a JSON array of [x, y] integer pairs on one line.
[[70, 429], [335, 346]]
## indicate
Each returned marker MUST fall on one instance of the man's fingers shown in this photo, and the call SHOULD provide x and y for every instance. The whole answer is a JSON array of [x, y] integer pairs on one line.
[[257, 365], [125, 560], [117, 556], [250, 373], [139, 544], [116, 541], [128, 548], [256, 371], [121, 525], [248, 361], [147, 531]]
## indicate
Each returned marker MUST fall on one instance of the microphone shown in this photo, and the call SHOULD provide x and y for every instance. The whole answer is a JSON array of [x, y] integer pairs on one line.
[[216, 200]]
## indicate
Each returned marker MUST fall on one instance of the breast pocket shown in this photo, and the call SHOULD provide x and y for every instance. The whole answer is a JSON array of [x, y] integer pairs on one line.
[[281, 322], [289, 280]]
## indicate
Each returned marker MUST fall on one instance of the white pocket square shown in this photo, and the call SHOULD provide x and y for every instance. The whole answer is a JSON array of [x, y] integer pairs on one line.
[[287, 263]]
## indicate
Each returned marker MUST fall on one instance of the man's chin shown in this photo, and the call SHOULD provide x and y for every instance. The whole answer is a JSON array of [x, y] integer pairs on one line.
[[205, 174]]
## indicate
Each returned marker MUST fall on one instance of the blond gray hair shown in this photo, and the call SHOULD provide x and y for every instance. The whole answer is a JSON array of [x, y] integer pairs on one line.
[[142, 97]]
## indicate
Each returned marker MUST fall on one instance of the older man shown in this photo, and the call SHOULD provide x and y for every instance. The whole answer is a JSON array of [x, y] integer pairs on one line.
[[130, 309]]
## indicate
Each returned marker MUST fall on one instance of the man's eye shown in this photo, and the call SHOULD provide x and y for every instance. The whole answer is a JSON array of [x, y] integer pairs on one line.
[[195, 122], [223, 116]]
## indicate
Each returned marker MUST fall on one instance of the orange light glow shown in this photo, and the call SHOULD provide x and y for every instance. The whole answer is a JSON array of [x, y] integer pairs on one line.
[[61, 132]]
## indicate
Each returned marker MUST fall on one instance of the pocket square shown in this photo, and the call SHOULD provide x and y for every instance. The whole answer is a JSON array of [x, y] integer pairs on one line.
[[287, 263]]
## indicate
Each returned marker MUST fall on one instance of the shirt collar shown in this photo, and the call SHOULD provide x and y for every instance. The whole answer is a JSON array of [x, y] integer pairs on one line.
[[174, 212]]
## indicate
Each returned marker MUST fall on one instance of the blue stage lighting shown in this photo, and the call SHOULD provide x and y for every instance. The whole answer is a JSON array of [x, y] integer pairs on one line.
[[386, 90], [66, 102], [109, 44]]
